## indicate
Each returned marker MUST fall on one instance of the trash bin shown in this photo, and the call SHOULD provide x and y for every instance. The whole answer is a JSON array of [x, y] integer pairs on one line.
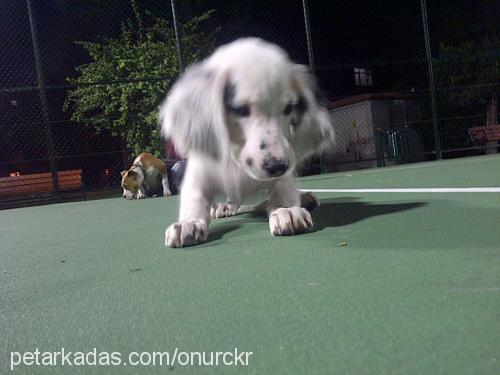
[[392, 145], [397, 144]]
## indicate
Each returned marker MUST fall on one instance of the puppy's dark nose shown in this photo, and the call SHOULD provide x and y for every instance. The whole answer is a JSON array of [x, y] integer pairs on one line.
[[274, 167]]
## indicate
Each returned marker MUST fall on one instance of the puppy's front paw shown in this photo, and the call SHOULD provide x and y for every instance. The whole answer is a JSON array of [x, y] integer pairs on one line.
[[288, 221], [167, 193], [219, 210], [140, 195], [186, 233]]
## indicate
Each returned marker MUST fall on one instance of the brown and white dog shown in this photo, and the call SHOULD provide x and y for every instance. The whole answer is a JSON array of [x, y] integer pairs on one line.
[[145, 178]]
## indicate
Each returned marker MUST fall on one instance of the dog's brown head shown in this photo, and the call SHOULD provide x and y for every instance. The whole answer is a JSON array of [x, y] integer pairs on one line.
[[250, 103], [130, 183]]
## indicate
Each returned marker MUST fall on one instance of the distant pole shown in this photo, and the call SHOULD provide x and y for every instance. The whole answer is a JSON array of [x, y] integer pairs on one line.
[[43, 100], [312, 67], [308, 38], [177, 38], [437, 140]]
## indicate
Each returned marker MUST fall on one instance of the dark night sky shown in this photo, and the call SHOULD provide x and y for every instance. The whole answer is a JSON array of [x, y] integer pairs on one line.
[[382, 35], [375, 32]]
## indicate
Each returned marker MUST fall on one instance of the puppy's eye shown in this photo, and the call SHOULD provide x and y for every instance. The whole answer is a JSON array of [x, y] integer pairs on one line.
[[288, 109], [240, 111]]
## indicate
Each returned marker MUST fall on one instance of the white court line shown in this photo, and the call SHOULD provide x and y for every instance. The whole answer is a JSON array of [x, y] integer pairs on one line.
[[410, 190]]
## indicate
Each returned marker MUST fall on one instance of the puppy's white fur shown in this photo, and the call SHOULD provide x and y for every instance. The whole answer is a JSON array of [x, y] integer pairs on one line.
[[245, 116]]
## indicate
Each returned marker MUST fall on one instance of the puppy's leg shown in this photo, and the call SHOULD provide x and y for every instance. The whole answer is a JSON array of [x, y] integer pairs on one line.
[[308, 200], [141, 193], [226, 209], [166, 187], [286, 216], [194, 216]]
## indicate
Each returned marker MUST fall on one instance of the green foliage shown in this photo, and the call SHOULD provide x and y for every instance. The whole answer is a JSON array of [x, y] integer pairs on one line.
[[473, 68], [466, 76], [128, 76]]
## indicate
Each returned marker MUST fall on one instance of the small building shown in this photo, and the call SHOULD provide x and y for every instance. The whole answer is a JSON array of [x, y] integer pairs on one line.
[[362, 124]]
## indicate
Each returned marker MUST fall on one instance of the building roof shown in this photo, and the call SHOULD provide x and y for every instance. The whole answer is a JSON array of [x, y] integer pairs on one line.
[[372, 96]]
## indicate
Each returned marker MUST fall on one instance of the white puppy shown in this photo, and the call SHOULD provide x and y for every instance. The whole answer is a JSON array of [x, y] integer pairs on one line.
[[245, 116]]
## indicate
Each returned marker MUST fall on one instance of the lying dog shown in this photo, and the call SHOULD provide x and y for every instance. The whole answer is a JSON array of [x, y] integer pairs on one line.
[[146, 177], [245, 116]]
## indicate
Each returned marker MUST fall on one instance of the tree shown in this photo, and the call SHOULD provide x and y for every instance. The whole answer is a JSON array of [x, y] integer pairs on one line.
[[467, 77], [473, 68], [128, 76]]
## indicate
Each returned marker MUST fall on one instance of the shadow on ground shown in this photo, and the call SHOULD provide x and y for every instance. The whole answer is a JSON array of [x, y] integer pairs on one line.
[[337, 212], [334, 212], [218, 231]]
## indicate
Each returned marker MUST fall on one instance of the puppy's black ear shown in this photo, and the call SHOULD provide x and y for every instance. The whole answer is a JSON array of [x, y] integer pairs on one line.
[[315, 130], [193, 114]]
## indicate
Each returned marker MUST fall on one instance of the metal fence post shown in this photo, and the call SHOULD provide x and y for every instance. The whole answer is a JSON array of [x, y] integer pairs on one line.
[[43, 100], [437, 139], [308, 37], [310, 54], [177, 38]]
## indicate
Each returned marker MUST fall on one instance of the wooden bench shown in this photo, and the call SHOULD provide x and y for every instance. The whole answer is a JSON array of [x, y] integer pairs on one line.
[[480, 135], [39, 186]]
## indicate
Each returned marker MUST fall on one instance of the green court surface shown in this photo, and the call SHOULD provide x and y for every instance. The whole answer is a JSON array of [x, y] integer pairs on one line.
[[386, 283]]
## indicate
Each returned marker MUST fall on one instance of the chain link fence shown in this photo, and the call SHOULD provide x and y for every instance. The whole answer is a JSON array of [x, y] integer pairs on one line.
[[80, 81]]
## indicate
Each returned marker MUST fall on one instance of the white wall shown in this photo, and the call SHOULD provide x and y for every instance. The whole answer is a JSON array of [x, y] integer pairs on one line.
[[354, 136], [356, 125]]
